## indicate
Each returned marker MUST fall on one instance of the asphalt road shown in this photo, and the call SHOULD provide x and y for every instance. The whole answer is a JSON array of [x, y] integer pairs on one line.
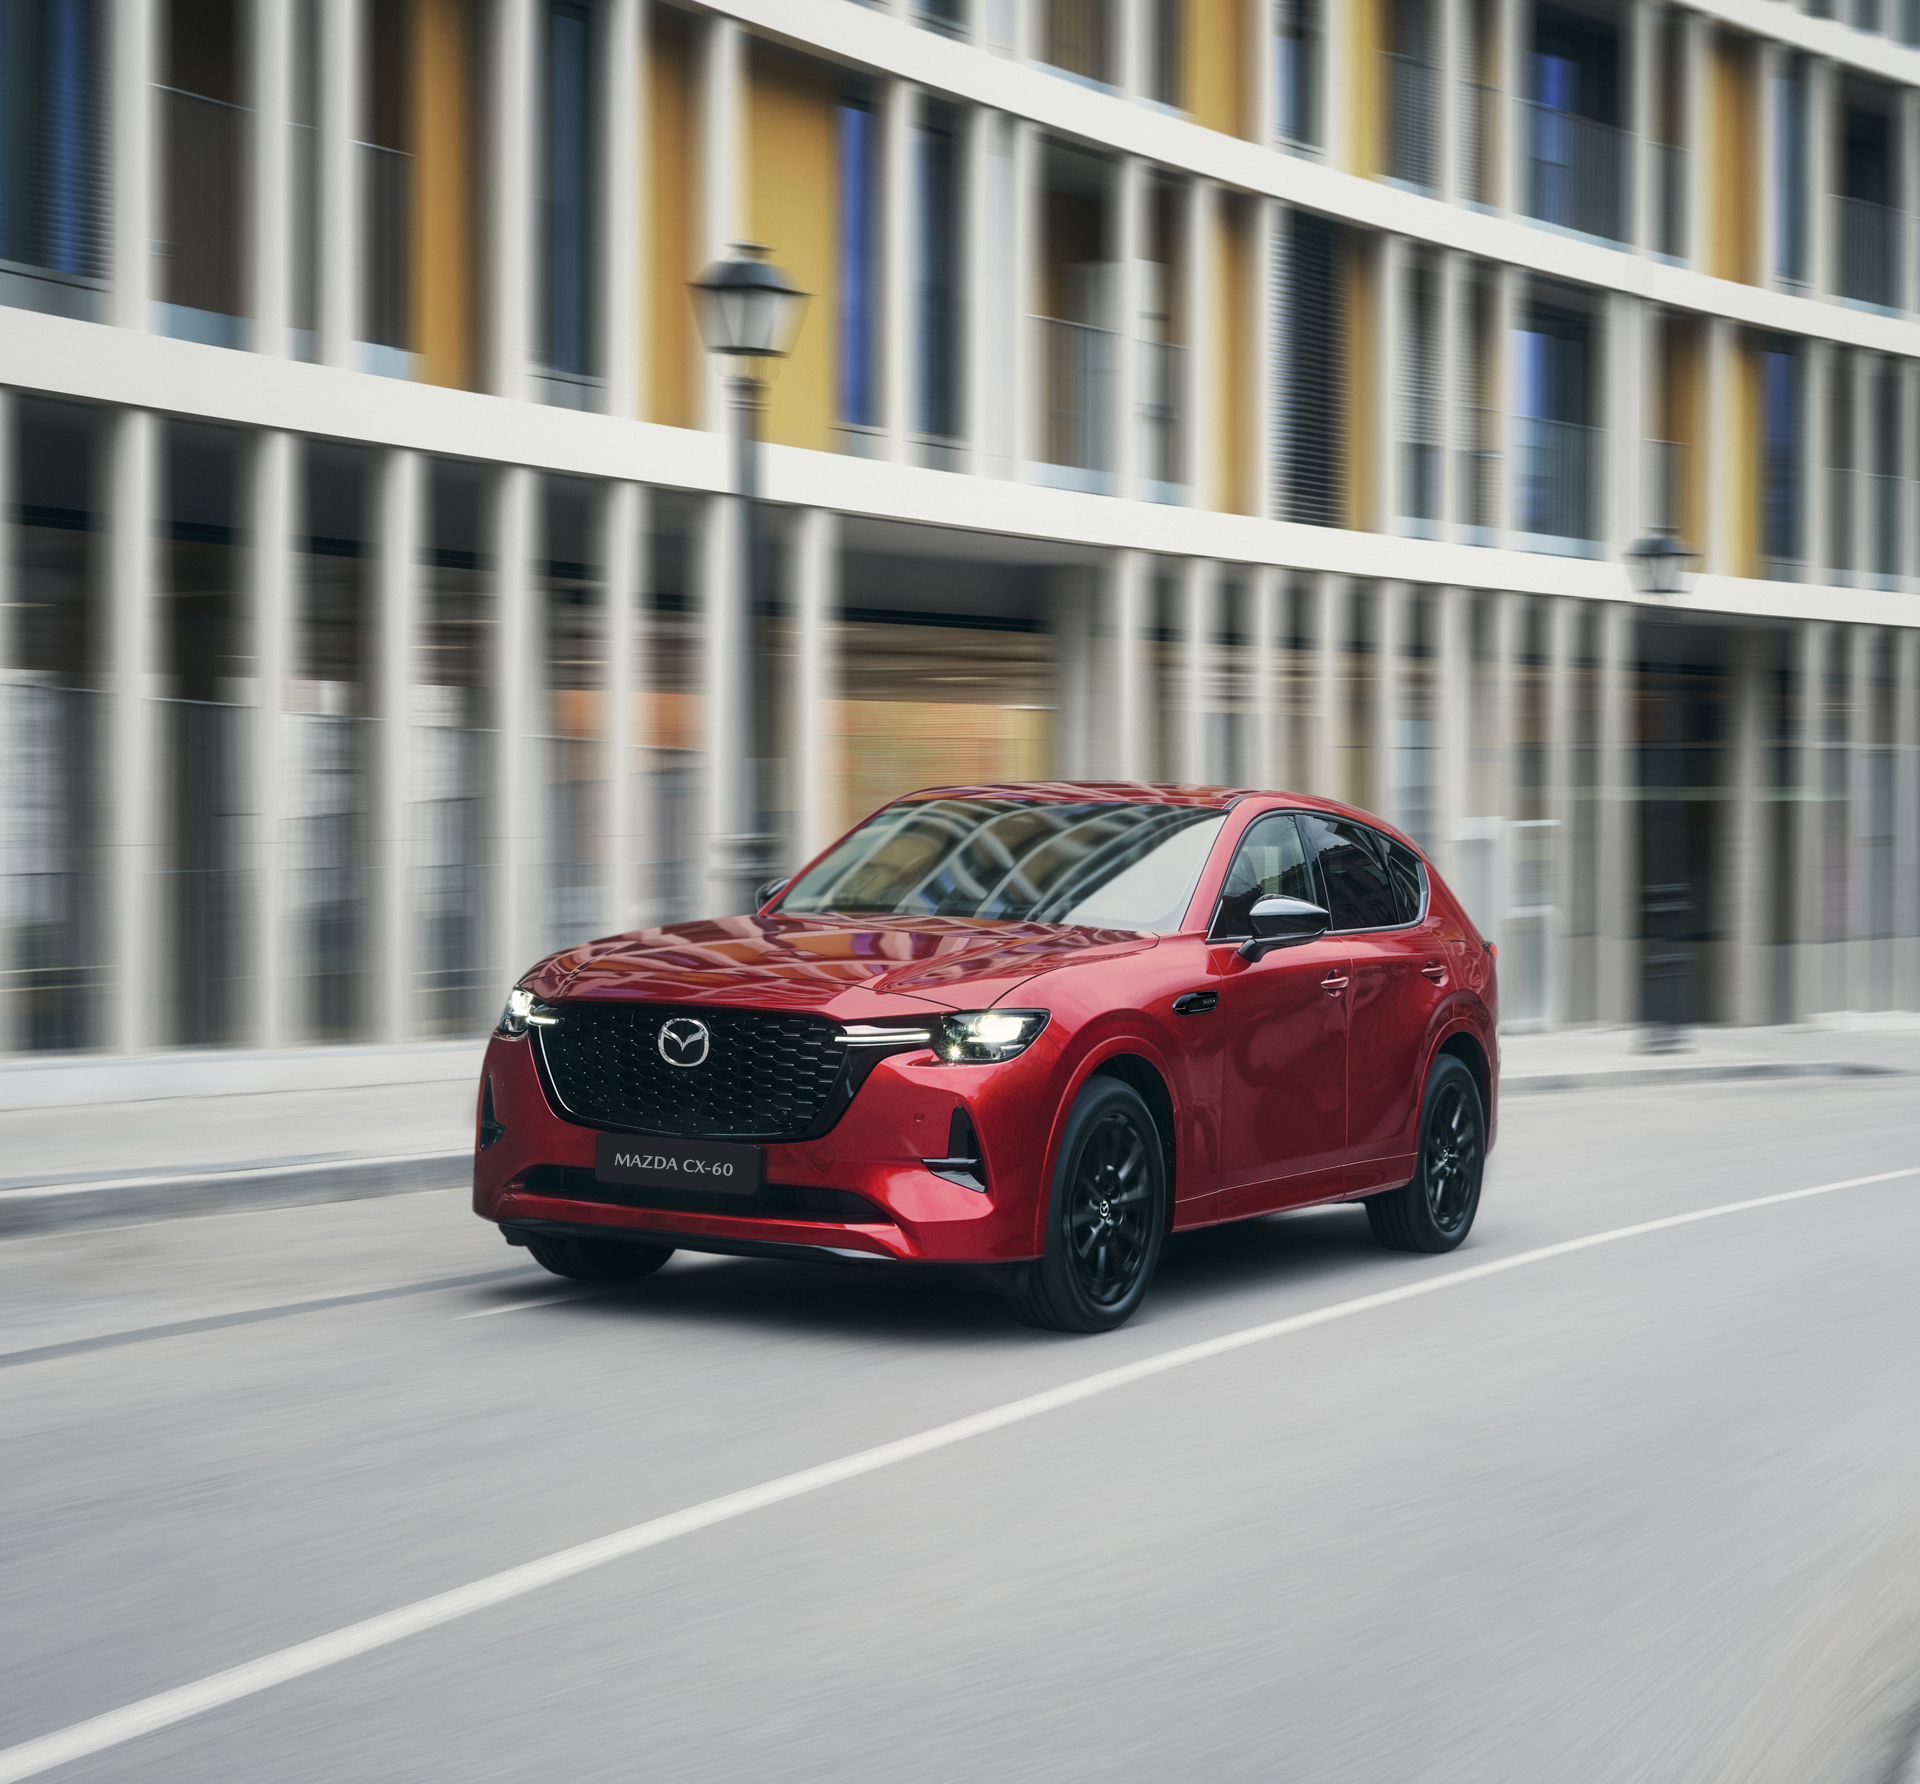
[[1648, 1510]]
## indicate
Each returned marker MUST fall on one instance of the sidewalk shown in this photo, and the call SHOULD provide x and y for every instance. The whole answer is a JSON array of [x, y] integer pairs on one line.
[[115, 1162]]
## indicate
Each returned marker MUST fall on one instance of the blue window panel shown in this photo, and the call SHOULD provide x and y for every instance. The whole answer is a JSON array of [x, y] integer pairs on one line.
[[568, 146], [64, 171], [856, 331]]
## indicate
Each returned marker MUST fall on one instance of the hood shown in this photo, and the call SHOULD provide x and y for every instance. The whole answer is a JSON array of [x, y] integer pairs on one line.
[[813, 962]]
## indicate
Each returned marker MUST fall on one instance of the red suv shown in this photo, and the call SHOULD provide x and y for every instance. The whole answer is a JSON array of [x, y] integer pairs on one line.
[[1024, 1030]]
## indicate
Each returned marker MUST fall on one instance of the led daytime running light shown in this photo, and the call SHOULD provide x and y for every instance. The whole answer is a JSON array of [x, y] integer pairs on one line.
[[525, 1011]]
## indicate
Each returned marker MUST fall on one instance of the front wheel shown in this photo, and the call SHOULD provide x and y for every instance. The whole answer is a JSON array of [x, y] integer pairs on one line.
[[1435, 1211], [597, 1260], [1106, 1218]]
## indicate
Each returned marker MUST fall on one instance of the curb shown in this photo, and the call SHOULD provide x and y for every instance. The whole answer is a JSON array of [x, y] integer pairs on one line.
[[1635, 1076], [127, 1201]]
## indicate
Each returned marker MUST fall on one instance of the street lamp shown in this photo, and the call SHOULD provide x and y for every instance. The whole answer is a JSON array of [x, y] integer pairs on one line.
[[749, 311], [1660, 566]]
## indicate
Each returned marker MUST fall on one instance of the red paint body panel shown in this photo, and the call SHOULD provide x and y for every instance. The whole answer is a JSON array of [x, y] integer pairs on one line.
[[1293, 1089]]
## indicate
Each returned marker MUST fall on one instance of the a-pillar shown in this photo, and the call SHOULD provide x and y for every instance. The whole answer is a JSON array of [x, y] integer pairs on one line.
[[133, 783], [509, 234], [1616, 829], [1745, 874], [342, 48], [1389, 698], [399, 489], [135, 162], [270, 207], [271, 523], [1128, 586], [520, 685], [815, 749], [1199, 621], [622, 549], [1328, 772], [624, 192]]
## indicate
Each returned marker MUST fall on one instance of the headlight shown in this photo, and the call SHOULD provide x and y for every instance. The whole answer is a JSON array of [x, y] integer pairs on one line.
[[985, 1037], [523, 1011]]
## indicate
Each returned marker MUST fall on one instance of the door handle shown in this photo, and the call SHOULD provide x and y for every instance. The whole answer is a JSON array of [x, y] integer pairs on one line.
[[1333, 984], [1196, 1003], [1436, 970]]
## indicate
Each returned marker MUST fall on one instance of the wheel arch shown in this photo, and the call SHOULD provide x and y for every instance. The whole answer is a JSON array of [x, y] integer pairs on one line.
[[1464, 1045], [1140, 1075]]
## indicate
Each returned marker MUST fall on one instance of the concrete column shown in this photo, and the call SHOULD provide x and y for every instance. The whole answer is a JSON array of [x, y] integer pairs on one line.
[[1626, 421], [1508, 294], [1129, 585], [1906, 820], [1906, 144], [1336, 89], [1269, 597], [1454, 396], [342, 59], [984, 319], [399, 500], [1809, 645], [1823, 223], [1694, 36], [1857, 988], [1616, 827], [10, 1016], [509, 251], [815, 750], [1721, 546], [1861, 367], [133, 783], [271, 521], [1128, 185], [1816, 362], [623, 190], [730, 815], [1129, 20], [1773, 60], [1512, 149], [1329, 774], [1389, 699], [1641, 75], [1024, 389], [270, 205], [720, 75], [1391, 270], [1203, 474], [1453, 736], [622, 550], [1509, 613], [517, 681], [1263, 362], [896, 268], [1070, 615], [135, 165], [1199, 621], [1450, 59], [1745, 874], [1563, 619], [1259, 90]]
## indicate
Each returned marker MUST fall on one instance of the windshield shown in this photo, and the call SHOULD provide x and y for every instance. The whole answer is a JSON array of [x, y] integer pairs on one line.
[[1100, 865]]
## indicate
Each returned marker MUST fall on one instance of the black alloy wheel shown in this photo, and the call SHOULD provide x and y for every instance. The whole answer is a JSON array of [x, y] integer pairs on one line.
[[1435, 1211], [1107, 1218]]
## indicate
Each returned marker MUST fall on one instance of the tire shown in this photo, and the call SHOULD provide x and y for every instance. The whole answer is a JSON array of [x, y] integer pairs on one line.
[[598, 1260], [1435, 1211], [1106, 1216]]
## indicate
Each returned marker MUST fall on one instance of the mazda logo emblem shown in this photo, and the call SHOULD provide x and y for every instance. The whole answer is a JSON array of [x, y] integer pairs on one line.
[[684, 1041]]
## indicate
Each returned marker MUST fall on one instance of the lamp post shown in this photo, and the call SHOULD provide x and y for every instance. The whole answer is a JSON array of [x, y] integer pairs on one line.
[[748, 312], [1661, 566]]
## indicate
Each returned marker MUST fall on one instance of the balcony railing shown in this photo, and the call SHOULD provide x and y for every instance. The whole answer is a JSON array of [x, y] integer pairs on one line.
[[1163, 371], [1576, 172], [1411, 116], [1669, 199], [1076, 370], [1553, 487], [1869, 252], [1479, 142]]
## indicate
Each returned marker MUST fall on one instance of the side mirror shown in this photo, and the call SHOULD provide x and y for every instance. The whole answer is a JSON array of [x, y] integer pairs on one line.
[[768, 889], [1280, 922]]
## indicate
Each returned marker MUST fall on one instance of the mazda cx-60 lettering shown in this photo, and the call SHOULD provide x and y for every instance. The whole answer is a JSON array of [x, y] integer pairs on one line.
[[1027, 1030]]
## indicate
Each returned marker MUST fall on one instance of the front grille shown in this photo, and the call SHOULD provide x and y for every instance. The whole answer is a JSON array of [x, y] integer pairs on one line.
[[768, 1074]]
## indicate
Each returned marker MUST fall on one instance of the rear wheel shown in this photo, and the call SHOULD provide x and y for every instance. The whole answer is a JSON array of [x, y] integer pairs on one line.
[[597, 1260], [1435, 1211], [1106, 1218]]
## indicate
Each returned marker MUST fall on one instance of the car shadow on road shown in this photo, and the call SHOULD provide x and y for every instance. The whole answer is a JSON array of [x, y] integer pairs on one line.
[[930, 1306]]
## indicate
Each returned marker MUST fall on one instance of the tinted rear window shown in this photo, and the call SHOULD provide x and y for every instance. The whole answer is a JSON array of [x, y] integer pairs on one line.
[[1360, 893]]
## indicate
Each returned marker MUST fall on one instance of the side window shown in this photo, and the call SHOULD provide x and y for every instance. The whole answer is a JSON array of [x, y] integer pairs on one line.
[[1409, 876], [1359, 892], [1270, 863]]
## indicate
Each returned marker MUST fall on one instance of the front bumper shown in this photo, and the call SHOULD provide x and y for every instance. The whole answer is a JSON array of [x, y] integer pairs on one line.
[[537, 1175]]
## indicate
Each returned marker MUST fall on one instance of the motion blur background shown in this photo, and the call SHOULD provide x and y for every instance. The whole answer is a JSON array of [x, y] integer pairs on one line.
[[1245, 391]]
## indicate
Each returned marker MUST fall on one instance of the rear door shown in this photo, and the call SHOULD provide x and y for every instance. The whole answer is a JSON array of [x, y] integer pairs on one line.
[[1376, 891], [1282, 1033]]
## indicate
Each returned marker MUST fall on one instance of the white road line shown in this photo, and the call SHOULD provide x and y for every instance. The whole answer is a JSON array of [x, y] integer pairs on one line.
[[165, 1708], [585, 1294]]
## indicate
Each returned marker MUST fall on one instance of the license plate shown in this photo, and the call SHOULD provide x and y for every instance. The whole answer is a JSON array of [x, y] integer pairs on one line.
[[709, 1165]]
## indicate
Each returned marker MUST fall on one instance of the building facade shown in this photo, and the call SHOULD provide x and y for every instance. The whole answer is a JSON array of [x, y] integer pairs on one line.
[[1244, 391]]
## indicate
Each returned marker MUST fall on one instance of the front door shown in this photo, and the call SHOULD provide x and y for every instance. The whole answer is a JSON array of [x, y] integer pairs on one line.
[[1283, 1037]]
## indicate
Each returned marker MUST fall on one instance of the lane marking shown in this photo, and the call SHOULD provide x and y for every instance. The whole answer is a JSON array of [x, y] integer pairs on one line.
[[248, 1316], [165, 1708], [583, 1294]]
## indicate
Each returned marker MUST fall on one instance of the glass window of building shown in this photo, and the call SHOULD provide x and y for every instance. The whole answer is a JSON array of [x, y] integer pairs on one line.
[[1296, 69], [936, 274], [856, 327], [570, 127], [204, 134], [51, 213]]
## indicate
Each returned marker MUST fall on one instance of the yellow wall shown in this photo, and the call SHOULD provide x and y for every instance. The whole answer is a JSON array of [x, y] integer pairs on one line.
[[1363, 333], [1684, 389], [1733, 73], [1366, 40], [674, 350], [1232, 358], [792, 176], [442, 74], [1216, 69]]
